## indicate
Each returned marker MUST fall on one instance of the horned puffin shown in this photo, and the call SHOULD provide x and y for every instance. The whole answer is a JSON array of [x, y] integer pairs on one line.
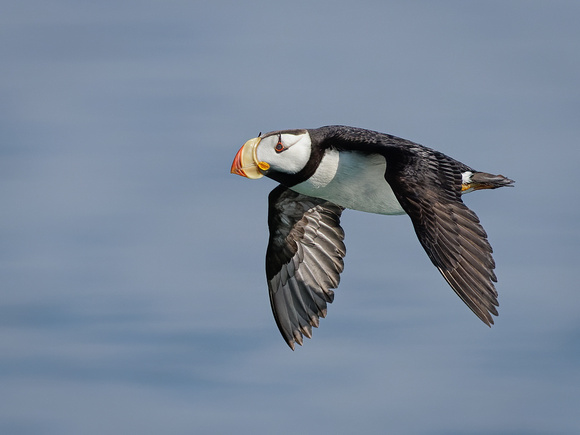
[[325, 170]]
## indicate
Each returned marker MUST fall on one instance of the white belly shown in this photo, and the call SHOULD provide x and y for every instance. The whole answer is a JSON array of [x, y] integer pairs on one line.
[[352, 180]]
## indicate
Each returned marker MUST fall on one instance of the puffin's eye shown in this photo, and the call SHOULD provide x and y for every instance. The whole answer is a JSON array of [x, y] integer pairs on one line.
[[279, 147]]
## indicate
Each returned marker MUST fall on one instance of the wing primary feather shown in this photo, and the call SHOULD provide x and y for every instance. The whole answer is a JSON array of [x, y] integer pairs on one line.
[[428, 187]]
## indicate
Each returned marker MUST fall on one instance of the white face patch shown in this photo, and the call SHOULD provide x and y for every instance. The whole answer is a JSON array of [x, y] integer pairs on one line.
[[294, 157]]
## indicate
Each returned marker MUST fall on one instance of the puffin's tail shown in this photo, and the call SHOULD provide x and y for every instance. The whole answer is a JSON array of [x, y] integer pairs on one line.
[[483, 180]]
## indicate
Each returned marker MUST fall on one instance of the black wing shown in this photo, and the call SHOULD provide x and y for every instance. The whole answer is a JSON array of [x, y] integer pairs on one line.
[[303, 260], [428, 186]]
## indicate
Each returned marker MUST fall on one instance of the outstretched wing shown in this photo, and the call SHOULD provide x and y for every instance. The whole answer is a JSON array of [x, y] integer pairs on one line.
[[429, 190], [303, 260]]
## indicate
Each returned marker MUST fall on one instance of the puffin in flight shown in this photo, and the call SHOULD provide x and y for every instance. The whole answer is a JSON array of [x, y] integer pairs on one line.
[[326, 170]]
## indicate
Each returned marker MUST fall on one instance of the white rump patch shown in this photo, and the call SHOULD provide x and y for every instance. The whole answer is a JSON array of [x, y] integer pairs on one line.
[[466, 177], [466, 180]]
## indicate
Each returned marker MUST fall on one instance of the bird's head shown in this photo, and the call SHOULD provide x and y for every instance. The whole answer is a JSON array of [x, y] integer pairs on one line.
[[282, 152]]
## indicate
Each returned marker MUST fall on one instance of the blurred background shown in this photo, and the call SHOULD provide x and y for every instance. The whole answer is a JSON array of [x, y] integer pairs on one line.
[[133, 296]]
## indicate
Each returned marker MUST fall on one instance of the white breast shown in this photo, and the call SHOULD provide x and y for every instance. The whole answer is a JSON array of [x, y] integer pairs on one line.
[[352, 180]]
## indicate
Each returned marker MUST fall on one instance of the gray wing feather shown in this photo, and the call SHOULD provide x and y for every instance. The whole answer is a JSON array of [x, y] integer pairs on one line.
[[304, 260]]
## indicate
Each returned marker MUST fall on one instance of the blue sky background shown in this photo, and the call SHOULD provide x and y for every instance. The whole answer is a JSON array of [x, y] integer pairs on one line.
[[133, 292]]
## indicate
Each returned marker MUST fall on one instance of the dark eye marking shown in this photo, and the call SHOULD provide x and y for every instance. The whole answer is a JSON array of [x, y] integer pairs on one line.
[[279, 146]]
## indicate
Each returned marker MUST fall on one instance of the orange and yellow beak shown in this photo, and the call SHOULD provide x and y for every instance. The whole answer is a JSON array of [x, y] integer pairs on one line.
[[246, 162]]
